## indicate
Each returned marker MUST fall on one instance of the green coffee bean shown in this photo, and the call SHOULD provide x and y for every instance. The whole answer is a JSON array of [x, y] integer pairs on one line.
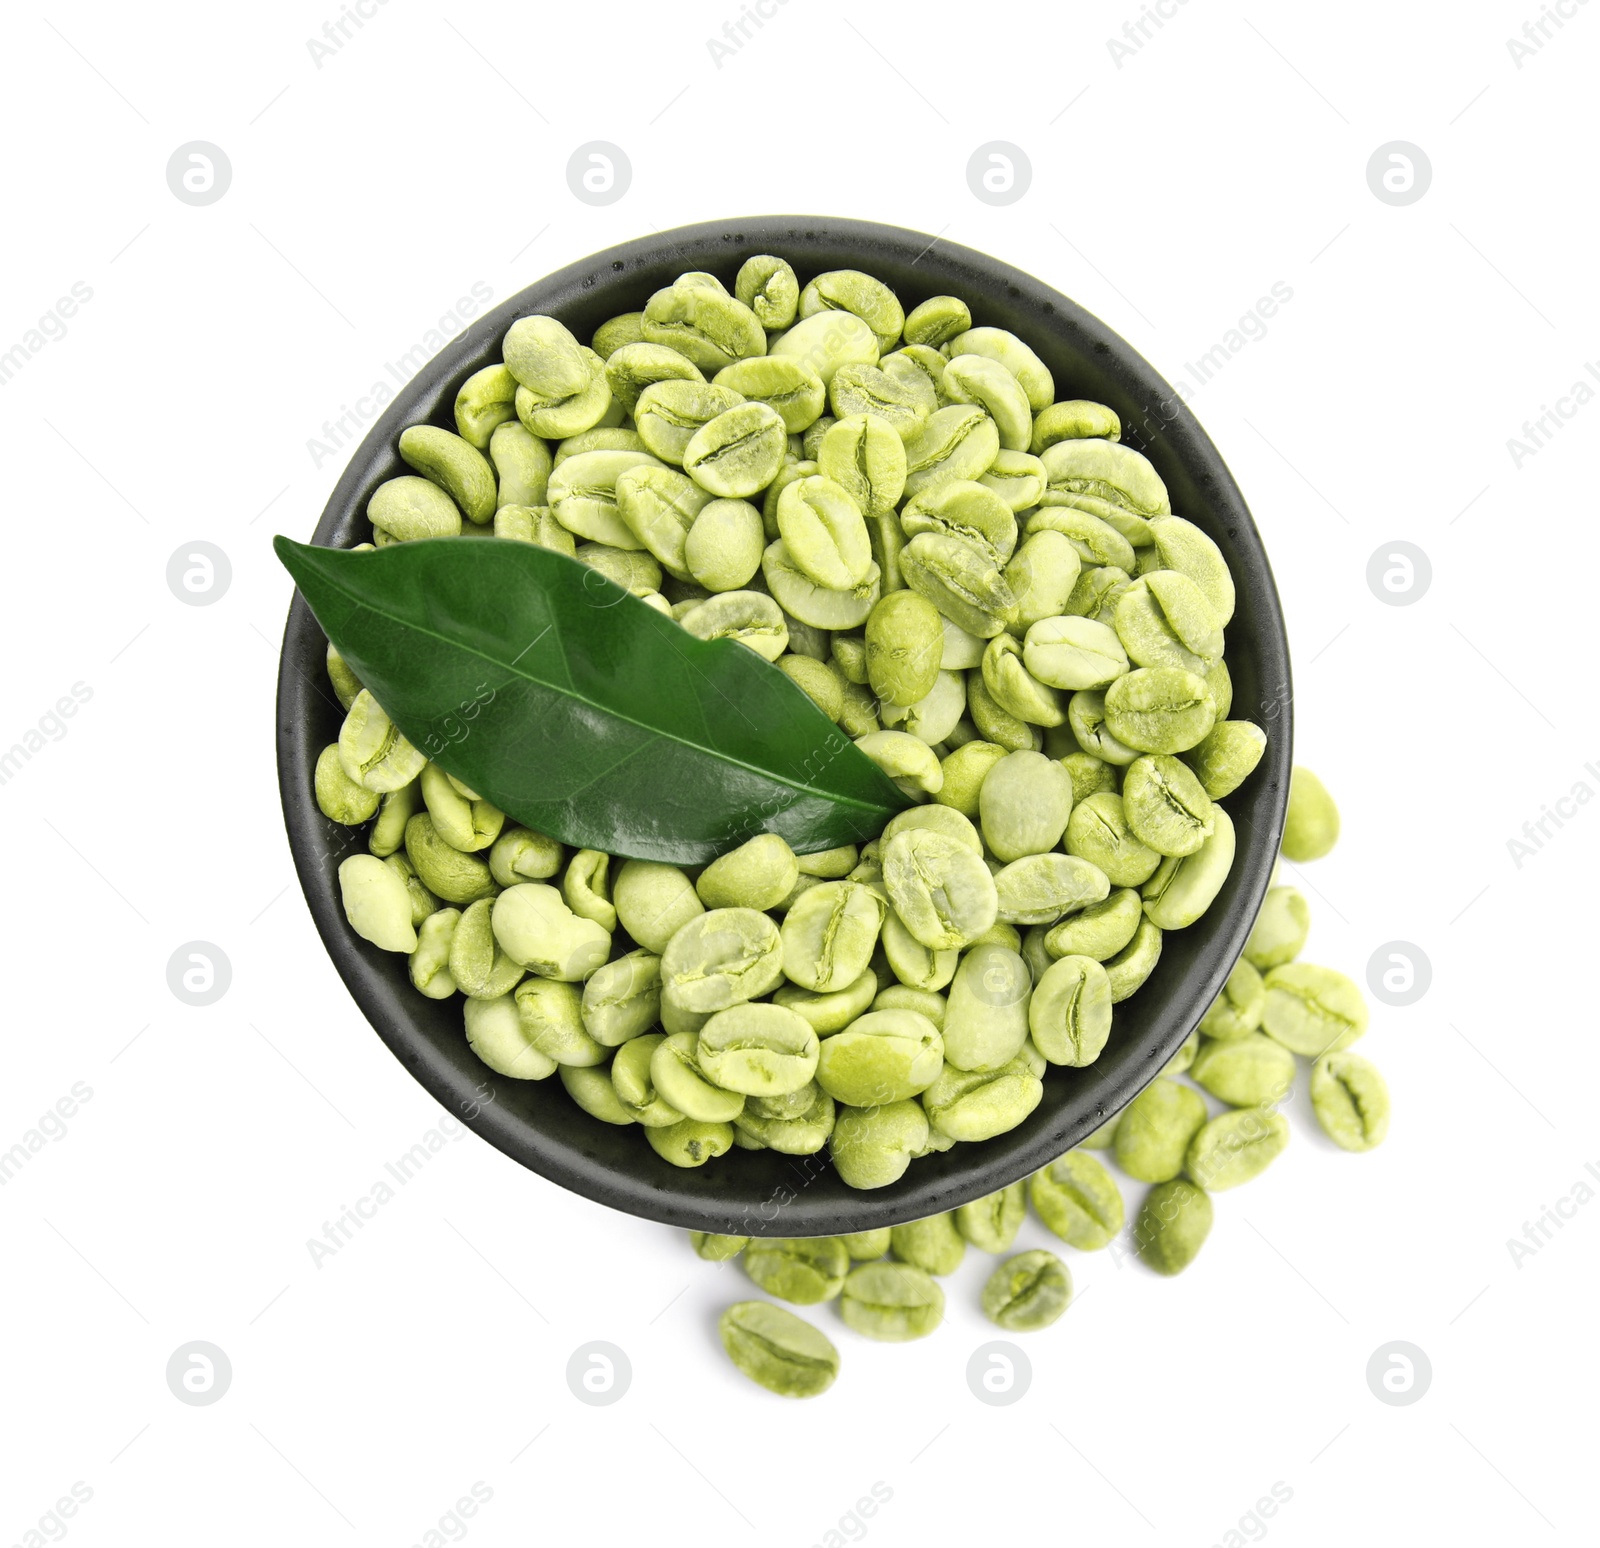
[[1351, 1101], [498, 1035], [1027, 1292], [999, 725], [1089, 775], [1165, 806], [1070, 1011], [339, 797], [904, 640], [881, 1058], [1075, 1197], [592, 1090], [653, 902], [872, 1147], [623, 998], [829, 934], [992, 1222], [798, 1123], [583, 495], [933, 1245], [708, 327], [1280, 930], [864, 456], [965, 771], [830, 1010], [536, 928], [758, 874], [423, 900], [1101, 930], [520, 855], [912, 962], [1250, 1071], [1172, 1225], [469, 825], [823, 607], [1039, 889], [1183, 886], [1075, 420], [1312, 1010], [979, 1104], [987, 1009], [722, 546], [376, 903], [1129, 969], [372, 751], [1098, 832], [450, 873], [715, 1248], [722, 958], [1024, 804], [1185, 1056], [925, 1002], [1014, 355], [1226, 756], [1182, 546], [1156, 1129], [455, 465], [737, 453], [486, 399], [768, 286], [804, 1270], [635, 1089], [429, 967], [778, 1350], [1086, 715], [1159, 709], [758, 1050], [1015, 689], [941, 890], [864, 1246], [1237, 1011], [406, 508], [891, 1302], [681, 1080], [827, 340], [1235, 1147], [480, 967], [1311, 828], [690, 1142], [936, 321]]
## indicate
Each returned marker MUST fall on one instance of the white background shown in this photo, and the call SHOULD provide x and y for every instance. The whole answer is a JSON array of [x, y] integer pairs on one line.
[[1227, 153]]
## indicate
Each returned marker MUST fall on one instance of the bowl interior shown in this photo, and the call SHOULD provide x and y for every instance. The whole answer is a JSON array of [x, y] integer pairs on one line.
[[762, 1192]]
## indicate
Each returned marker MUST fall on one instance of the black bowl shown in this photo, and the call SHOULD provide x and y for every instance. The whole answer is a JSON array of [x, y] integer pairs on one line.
[[761, 1192]]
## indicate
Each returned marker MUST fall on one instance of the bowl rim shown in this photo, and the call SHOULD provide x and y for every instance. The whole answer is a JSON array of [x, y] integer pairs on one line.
[[807, 1198]]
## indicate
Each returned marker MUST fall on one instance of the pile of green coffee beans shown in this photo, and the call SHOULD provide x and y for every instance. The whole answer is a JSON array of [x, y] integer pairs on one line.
[[979, 584], [1243, 1055]]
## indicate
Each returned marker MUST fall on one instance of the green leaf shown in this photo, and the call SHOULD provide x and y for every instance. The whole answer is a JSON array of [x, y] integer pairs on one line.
[[581, 711]]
